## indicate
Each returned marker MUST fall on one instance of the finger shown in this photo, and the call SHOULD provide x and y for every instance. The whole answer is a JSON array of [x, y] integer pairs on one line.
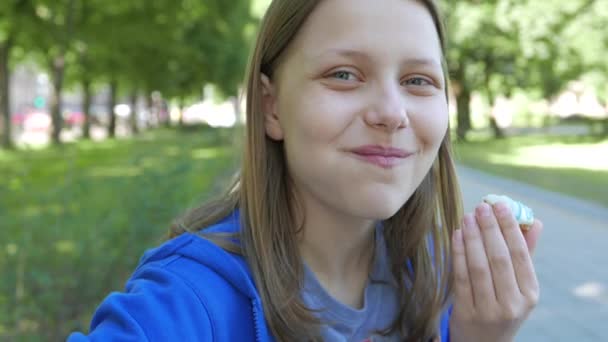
[[463, 292], [503, 275], [478, 265], [531, 236], [518, 249]]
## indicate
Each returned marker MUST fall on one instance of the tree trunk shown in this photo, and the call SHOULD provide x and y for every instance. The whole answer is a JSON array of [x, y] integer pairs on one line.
[[152, 117], [5, 100], [133, 118], [181, 111], [57, 67], [463, 102], [496, 130], [164, 107], [86, 87], [58, 70], [86, 107], [111, 105]]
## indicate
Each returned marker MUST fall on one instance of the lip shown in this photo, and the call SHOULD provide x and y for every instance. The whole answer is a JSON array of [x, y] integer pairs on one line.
[[384, 157]]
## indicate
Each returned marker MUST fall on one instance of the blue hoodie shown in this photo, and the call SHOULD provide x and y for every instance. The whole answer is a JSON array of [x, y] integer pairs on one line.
[[188, 289]]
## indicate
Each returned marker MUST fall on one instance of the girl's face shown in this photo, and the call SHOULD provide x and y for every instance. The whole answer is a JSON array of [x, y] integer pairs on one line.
[[358, 100]]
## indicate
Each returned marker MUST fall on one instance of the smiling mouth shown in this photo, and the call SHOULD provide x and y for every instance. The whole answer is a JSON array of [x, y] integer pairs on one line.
[[384, 157]]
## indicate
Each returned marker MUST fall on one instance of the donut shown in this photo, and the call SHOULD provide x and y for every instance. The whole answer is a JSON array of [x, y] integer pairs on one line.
[[523, 214]]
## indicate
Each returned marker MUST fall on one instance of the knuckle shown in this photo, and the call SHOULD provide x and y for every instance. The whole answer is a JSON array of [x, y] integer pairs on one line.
[[478, 271], [491, 317], [532, 298], [500, 263], [511, 312], [461, 277], [472, 236], [520, 256], [464, 315]]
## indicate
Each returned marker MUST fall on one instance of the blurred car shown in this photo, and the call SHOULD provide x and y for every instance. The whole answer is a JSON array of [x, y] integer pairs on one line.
[[37, 122], [72, 119], [18, 119]]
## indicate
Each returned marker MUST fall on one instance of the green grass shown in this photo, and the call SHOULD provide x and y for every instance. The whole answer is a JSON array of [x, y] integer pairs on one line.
[[576, 165], [75, 220]]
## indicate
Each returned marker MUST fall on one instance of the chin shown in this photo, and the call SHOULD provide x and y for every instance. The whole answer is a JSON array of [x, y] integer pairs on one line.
[[380, 210]]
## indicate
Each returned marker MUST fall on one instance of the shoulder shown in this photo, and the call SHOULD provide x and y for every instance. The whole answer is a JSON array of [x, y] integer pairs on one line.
[[157, 304], [182, 289]]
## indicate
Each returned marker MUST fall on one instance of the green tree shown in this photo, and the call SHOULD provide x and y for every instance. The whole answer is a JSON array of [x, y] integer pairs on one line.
[[5, 50], [12, 33], [499, 45], [54, 23]]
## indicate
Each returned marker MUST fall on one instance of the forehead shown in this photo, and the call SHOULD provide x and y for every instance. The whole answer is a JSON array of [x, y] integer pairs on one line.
[[380, 28]]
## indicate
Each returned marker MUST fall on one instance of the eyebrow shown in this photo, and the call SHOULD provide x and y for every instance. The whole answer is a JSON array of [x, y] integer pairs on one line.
[[361, 55]]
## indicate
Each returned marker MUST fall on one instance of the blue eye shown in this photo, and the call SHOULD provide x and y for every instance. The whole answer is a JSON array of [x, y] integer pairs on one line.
[[342, 75], [417, 81]]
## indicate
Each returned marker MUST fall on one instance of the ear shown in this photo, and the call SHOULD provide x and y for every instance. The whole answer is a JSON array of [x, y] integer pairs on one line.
[[269, 109]]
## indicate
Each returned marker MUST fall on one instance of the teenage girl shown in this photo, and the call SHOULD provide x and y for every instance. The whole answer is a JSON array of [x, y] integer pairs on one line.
[[345, 223]]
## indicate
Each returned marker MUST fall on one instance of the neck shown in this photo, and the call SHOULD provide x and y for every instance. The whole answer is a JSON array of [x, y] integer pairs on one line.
[[339, 250]]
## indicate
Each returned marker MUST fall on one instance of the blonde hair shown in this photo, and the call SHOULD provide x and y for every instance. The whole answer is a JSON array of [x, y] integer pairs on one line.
[[417, 235]]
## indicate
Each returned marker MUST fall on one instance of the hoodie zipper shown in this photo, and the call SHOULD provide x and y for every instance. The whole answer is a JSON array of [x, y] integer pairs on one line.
[[256, 320]]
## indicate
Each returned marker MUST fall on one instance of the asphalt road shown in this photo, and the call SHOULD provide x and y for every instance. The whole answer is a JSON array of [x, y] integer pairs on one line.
[[571, 259]]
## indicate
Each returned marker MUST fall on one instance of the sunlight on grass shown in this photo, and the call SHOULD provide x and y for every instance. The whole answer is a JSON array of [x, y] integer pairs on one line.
[[15, 184], [11, 249], [32, 211], [116, 171], [171, 151], [583, 156], [572, 165], [65, 247], [6, 156], [151, 162], [207, 153]]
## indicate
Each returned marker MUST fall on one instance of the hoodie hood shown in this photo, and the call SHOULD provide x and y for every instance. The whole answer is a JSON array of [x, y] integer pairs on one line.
[[230, 266]]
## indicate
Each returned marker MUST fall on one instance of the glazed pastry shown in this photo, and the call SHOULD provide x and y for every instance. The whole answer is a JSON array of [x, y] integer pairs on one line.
[[523, 214]]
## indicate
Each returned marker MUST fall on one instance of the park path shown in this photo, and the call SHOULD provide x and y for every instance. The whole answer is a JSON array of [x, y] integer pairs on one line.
[[571, 259]]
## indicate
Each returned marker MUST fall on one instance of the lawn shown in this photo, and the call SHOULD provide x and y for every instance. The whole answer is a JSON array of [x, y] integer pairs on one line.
[[574, 165], [75, 220]]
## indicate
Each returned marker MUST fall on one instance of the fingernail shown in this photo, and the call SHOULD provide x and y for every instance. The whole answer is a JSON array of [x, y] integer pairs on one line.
[[501, 208], [483, 210]]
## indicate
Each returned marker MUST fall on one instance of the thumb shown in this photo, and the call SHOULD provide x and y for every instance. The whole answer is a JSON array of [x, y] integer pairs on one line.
[[531, 236]]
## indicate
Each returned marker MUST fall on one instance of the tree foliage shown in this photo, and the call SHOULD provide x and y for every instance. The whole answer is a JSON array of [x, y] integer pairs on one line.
[[498, 46], [139, 46]]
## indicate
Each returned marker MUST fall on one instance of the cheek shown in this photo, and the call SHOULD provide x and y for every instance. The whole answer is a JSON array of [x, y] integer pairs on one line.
[[430, 122], [316, 117]]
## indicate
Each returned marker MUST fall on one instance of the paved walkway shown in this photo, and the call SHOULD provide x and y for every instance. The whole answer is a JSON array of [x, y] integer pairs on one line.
[[571, 259]]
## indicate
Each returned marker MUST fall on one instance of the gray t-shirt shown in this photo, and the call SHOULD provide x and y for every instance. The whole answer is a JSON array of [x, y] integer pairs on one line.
[[344, 323]]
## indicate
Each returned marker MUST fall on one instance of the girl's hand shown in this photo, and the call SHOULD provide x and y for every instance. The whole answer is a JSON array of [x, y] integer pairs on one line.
[[495, 283]]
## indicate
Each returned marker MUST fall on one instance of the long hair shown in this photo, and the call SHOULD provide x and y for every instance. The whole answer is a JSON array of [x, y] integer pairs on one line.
[[417, 236]]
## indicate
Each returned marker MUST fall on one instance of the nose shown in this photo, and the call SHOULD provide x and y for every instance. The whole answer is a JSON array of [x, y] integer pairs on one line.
[[388, 110]]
